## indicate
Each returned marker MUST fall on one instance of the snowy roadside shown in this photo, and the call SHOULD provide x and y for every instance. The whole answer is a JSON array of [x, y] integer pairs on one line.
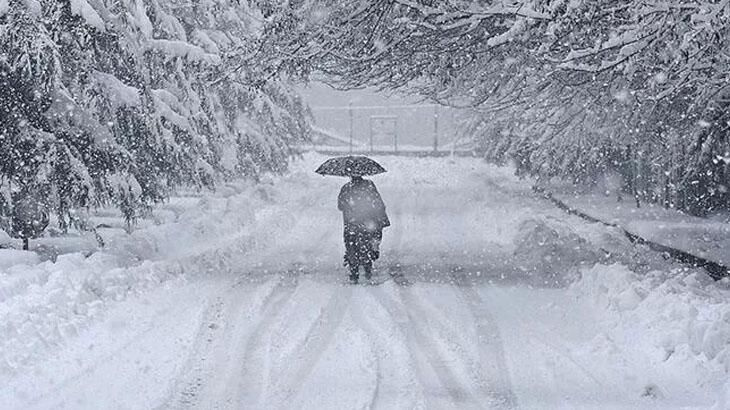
[[615, 339], [674, 322], [679, 317], [44, 303], [661, 329], [130, 314], [704, 237], [586, 318], [654, 314]]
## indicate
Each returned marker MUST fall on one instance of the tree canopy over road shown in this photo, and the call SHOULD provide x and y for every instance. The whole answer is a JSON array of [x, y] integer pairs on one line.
[[566, 88]]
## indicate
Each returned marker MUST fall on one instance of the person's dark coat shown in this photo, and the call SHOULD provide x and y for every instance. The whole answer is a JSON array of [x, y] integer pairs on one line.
[[364, 216], [361, 204]]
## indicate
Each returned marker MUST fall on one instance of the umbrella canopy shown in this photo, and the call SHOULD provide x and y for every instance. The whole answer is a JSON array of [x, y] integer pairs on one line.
[[350, 166]]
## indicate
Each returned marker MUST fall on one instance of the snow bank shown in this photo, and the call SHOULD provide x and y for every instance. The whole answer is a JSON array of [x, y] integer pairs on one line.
[[12, 257], [552, 251], [702, 237], [675, 322], [44, 304]]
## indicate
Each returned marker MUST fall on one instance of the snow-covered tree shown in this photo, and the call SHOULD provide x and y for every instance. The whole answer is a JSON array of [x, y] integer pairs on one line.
[[569, 88], [119, 102]]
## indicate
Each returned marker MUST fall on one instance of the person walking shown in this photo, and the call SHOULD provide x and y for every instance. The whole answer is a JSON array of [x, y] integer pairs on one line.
[[364, 217], [363, 211]]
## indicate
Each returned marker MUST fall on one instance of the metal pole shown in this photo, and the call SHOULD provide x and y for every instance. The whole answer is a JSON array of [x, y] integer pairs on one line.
[[435, 128], [371, 134], [395, 137], [349, 107]]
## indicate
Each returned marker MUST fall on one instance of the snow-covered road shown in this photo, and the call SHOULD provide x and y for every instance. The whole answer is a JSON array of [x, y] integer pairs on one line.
[[484, 318], [298, 341]]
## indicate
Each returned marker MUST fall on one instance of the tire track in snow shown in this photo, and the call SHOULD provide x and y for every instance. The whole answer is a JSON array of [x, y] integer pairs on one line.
[[544, 338], [218, 326], [396, 388], [316, 341], [400, 318], [212, 377], [89, 370], [370, 332], [186, 389], [409, 320], [468, 389], [249, 387], [492, 369], [394, 354]]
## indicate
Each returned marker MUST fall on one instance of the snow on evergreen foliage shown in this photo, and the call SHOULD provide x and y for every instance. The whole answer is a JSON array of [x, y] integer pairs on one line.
[[117, 102]]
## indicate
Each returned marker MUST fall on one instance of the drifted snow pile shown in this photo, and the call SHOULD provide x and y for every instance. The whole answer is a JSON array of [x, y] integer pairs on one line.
[[674, 322], [551, 251], [44, 303]]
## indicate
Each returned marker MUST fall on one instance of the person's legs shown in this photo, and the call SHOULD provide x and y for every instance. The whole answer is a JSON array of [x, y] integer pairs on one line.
[[349, 237], [352, 251], [369, 247], [354, 273], [368, 267], [369, 252], [360, 250], [376, 240]]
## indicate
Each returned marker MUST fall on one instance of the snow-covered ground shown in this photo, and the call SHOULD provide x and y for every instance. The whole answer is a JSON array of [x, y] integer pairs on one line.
[[237, 300], [704, 237]]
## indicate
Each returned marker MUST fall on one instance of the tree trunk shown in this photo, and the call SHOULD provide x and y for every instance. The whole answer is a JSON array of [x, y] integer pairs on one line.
[[636, 165]]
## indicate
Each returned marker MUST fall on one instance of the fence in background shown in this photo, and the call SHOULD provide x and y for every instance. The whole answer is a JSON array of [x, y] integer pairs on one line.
[[386, 130]]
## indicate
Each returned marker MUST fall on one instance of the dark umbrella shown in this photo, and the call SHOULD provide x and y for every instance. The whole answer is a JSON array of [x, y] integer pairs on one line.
[[350, 166]]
